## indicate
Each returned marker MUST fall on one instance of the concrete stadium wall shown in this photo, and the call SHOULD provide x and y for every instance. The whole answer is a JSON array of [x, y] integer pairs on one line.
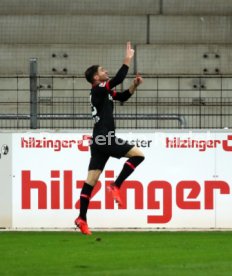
[[81, 29], [190, 29], [72, 59], [84, 39], [197, 7], [105, 29], [80, 7], [17, 89], [184, 59], [176, 37], [171, 7], [15, 59], [79, 86]]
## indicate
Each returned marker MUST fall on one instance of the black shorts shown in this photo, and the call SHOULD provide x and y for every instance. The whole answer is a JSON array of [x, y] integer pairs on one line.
[[100, 153]]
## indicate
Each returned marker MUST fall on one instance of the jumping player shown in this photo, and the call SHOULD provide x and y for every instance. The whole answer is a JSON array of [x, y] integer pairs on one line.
[[104, 143]]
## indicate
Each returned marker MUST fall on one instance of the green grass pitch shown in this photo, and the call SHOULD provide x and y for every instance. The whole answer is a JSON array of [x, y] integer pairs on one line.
[[116, 253]]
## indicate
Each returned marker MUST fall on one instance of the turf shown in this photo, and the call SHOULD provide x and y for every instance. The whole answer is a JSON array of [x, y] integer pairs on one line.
[[116, 253]]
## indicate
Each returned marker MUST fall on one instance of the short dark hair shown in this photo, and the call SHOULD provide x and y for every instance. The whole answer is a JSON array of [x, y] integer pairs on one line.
[[90, 72]]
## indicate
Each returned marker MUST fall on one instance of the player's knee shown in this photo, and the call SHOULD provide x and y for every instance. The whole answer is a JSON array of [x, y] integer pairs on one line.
[[91, 182], [140, 158], [139, 154], [93, 177], [136, 160], [135, 151]]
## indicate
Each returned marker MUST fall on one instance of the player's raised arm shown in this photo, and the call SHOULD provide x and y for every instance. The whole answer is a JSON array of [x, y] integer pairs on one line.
[[125, 95], [121, 74]]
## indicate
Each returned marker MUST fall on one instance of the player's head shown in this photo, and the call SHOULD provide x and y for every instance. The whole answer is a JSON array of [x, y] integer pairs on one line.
[[96, 73]]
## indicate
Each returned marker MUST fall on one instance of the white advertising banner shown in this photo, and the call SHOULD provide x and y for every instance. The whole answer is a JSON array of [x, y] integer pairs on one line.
[[185, 181]]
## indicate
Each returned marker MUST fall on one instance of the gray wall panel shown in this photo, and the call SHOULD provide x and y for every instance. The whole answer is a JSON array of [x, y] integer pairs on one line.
[[151, 59], [67, 29], [79, 7], [190, 29], [197, 7], [14, 59], [184, 59]]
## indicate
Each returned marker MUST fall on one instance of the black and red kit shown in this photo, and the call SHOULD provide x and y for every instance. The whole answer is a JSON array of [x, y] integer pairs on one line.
[[102, 96]]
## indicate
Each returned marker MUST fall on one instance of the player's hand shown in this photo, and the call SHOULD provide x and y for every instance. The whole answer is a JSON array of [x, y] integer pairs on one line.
[[129, 54], [129, 51], [138, 80]]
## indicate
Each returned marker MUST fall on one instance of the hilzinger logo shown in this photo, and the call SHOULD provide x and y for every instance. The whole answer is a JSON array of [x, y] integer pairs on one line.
[[201, 145], [57, 144]]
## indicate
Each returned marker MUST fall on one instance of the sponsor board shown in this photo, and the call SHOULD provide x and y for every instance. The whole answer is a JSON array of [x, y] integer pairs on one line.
[[184, 182]]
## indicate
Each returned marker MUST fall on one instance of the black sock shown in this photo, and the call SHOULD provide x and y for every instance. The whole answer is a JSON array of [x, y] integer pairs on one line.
[[84, 200], [127, 169]]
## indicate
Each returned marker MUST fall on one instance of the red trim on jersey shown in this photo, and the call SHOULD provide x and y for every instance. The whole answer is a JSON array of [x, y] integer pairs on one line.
[[114, 94], [108, 85], [130, 165]]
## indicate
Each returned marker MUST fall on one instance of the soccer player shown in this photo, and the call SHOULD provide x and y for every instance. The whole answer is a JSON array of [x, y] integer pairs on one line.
[[104, 143]]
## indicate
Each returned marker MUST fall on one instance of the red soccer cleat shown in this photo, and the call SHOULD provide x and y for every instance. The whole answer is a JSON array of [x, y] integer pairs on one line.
[[83, 226], [115, 193]]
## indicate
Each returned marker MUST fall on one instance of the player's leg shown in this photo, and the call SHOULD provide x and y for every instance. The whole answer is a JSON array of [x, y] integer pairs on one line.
[[121, 148], [81, 221], [92, 178], [135, 157], [96, 165]]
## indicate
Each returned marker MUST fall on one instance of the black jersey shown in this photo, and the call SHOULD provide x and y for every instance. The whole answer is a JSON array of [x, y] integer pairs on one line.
[[101, 99]]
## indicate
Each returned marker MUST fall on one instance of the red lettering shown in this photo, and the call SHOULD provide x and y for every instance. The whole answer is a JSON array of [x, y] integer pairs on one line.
[[225, 143], [195, 189], [27, 185], [109, 201], [210, 186], [55, 190], [138, 189], [154, 204], [187, 194], [81, 146], [68, 190]]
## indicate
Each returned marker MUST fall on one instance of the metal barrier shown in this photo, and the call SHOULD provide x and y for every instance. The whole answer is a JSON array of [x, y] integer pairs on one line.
[[176, 102]]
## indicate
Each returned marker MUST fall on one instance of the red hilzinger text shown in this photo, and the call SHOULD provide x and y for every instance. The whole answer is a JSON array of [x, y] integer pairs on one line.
[[201, 145], [57, 144], [68, 184]]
